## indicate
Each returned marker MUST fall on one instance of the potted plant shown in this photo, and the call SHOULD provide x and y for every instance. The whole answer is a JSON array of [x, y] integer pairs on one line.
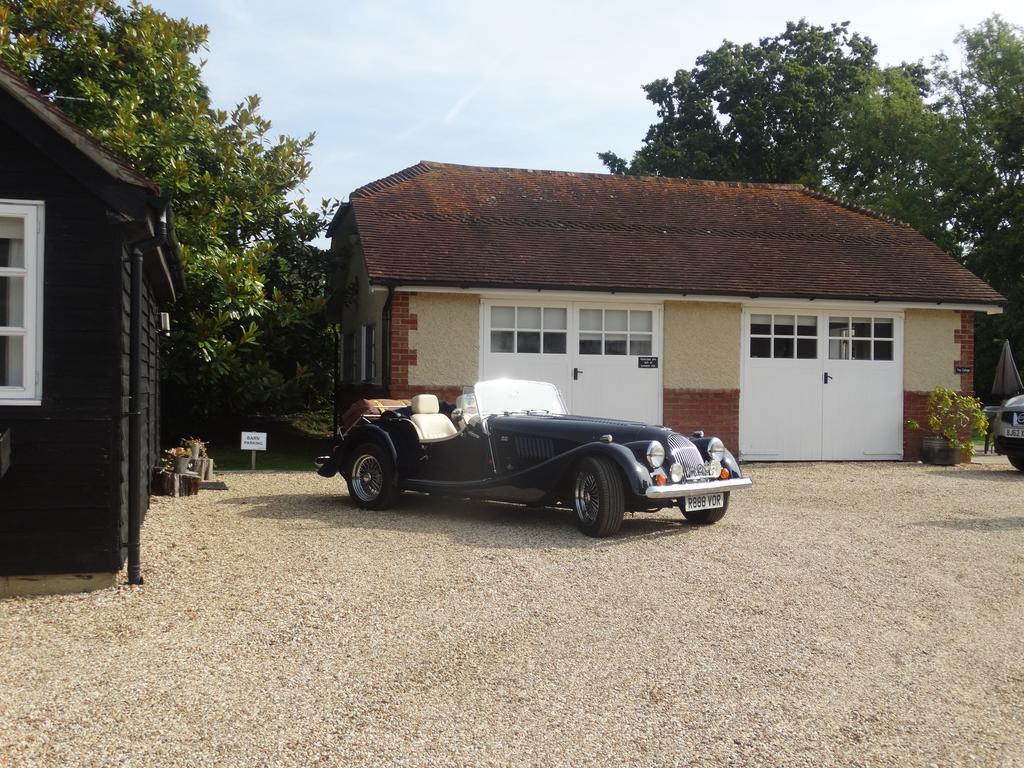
[[163, 476], [201, 462], [180, 458], [952, 419], [196, 447]]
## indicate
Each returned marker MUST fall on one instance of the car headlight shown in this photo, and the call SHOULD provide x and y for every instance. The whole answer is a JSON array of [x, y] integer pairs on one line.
[[716, 449], [655, 454], [676, 472]]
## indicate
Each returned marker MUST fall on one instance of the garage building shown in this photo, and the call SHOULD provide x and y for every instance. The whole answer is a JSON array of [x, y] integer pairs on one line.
[[791, 324]]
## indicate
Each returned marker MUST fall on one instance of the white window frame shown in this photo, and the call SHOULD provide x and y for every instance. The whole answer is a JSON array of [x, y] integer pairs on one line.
[[32, 214]]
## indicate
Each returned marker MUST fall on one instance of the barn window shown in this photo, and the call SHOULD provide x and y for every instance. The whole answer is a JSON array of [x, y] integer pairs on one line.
[[369, 353], [529, 330], [860, 338], [616, 331], [784, 336], [21, 266]]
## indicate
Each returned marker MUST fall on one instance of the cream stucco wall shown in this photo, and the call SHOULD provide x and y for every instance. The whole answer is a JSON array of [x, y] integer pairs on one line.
[[702, 345], [930, 350], [446, 339]]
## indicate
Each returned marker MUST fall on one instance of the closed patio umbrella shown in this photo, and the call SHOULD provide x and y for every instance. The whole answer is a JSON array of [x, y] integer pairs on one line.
[[1007, 383]]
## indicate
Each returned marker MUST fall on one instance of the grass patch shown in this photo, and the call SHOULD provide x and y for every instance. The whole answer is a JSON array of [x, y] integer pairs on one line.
[[293, 441]]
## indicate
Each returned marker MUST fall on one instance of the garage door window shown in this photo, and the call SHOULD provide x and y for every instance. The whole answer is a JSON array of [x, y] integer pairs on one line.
[[526, 330], [784, 336], [616, 332], [860, 338]]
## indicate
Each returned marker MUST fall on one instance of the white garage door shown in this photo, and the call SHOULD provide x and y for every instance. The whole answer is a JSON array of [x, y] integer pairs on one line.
[[605, 358], [821, 385]]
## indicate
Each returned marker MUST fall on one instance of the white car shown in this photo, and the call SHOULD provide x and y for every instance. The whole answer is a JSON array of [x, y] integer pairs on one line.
[[1008, 429]]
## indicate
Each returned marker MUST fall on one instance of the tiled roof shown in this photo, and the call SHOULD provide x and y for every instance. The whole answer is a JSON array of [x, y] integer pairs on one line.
[[454, 225]]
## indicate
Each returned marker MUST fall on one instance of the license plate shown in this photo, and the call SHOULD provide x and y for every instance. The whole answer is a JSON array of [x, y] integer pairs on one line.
[[1014, 432], [708, 501]]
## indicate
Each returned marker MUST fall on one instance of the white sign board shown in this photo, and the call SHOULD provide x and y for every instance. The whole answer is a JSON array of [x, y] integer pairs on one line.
[[254, 441]]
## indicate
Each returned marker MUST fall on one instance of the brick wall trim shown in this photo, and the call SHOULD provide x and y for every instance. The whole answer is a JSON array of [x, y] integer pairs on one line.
[[715, 411]]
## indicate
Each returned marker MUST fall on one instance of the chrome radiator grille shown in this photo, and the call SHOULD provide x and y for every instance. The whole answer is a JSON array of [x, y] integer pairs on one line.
[[686, 453]]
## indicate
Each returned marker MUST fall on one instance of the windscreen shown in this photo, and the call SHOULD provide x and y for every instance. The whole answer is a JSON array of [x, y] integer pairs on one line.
[[515, 396]]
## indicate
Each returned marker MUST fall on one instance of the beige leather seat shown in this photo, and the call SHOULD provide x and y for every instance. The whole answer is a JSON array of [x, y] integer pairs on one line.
[[432, 425]]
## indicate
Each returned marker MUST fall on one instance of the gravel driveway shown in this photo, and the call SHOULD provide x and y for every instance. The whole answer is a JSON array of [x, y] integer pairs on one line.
[[838, 615]]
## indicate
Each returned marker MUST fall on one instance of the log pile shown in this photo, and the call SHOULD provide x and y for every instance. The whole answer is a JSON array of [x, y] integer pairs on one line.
[[185, 481]]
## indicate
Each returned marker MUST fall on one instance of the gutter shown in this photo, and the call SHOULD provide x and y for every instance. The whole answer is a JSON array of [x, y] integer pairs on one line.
[[575, 293]]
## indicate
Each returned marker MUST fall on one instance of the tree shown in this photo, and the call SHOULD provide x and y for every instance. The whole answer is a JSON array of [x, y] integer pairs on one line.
[[765, 112], [892, 151], [984, 104], [939, 148], [132, 76]]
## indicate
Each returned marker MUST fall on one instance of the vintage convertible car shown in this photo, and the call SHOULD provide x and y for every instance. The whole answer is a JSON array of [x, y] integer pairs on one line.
[[511, 440], [1008, 429]]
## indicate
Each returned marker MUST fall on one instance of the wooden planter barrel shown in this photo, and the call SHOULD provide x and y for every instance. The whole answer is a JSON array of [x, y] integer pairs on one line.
[[937, 450]]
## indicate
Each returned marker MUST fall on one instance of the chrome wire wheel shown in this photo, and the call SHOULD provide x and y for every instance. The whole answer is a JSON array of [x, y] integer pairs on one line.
[[367, 477], [586, 497]]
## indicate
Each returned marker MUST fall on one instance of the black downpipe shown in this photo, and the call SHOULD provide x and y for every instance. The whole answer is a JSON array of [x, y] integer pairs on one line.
[[138, 252], [386, 341], [337, 378]]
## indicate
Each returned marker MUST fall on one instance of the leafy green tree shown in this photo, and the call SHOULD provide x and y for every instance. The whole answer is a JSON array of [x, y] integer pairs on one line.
[[941, 148], [765, 112], [892, 151], [254, 305], [984, 103]]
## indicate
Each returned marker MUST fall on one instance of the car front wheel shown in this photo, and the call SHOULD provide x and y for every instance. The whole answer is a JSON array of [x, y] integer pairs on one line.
[[372, 483], [705, 516], [1017, 462], [597, 497]]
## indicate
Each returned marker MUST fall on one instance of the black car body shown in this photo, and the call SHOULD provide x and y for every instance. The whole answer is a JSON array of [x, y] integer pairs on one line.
[[599, 467], [1008, 430]]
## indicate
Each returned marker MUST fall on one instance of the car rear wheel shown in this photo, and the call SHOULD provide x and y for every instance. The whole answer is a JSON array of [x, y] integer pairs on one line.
[[372, 483], [705, 516], [1017, 462], [597, 497]]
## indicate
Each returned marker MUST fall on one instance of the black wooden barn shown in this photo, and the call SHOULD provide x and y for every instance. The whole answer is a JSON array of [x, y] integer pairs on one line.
[[87, 257]]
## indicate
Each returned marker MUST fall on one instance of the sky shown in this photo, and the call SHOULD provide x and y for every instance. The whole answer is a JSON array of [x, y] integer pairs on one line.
[[526, 84]]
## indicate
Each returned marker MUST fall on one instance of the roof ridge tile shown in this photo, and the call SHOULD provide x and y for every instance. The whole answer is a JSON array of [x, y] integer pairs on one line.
[[393, 180], [424, 166], [825, 197]]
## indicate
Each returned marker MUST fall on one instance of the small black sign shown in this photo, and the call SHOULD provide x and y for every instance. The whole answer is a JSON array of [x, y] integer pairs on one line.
[[964, 369], [647, 362]]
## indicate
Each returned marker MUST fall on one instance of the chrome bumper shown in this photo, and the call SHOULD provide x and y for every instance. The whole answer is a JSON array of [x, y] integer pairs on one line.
[[695, 489]]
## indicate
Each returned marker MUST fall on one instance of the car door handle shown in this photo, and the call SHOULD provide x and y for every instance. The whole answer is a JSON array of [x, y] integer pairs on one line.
[[576, 373], [826, 378]]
